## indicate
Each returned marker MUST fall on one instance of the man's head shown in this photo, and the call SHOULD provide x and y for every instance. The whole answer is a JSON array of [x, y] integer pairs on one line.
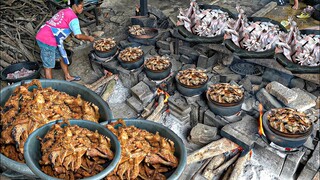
[[76, 5]]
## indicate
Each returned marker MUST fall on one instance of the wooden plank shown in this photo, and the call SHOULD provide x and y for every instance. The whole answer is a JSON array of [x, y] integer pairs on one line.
[[265, 10]]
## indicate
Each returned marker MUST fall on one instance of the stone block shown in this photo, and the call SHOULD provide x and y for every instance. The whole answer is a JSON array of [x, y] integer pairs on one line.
[[291, 165], [202, 61], [203, 134], [213, 60], [310, 86], [194, 115], [255, 79], [179, 111], [225, 78], [249, 104], [142, 92], [111, 66], [297, 83], [242, 132], [211, 119], [164, 52], [281, 92], [179, 102], [302, 102], [272, 163], [135, 104], [185, 59], [273, 75], [129, 78], [163, 45], [188, 51], [182, 119], [267, 100], [246, 84], [215, 79], [187, 66], [312, 166]]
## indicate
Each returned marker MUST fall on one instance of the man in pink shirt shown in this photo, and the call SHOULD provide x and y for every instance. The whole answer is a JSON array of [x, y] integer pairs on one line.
[[51, 35]]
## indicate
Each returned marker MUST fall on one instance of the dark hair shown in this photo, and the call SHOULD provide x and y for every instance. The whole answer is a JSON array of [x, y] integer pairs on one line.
[[76, 2]]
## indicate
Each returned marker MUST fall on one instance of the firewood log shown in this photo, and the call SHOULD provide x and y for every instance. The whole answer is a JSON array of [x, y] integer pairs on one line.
[[158, 109], [214, 164], [109, 90], [212, 149], [239, 165]]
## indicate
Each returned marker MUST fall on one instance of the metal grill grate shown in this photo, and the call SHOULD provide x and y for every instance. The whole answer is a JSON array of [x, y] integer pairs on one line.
[[244, 68]]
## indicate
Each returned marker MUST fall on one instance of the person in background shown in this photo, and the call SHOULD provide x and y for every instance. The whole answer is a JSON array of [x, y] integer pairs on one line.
[[51, 35]]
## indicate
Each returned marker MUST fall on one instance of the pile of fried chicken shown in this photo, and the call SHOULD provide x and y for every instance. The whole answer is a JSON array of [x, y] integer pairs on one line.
[[73, 152], [225, 93], [192, 77], [144, 155], [25, 111]]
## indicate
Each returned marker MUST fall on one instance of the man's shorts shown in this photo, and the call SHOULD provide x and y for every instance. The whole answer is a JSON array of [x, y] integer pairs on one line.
[[48, 54]]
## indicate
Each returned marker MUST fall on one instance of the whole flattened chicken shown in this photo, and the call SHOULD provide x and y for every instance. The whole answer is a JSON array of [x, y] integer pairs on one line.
[[25, 111], [144, 155]]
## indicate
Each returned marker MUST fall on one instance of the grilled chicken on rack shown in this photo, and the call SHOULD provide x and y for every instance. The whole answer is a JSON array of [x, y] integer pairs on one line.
[[26, 111], [144, 155]]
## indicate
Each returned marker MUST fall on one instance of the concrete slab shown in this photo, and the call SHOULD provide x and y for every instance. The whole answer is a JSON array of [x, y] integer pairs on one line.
[[135, 104], [281, 92], [303, 101], [242, 132], [267, 99]]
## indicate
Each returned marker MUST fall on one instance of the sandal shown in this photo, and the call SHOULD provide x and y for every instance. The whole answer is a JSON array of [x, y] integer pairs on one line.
[[75, 78], [303, 16]]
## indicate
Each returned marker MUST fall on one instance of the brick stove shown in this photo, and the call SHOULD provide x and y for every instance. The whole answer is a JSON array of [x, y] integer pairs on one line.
[[192, 113]]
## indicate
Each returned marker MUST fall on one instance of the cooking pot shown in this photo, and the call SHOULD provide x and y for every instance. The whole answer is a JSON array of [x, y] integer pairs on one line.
[[296, 68], [316, 12], [203, 39], [282, 139], [190, 90], [105, 54], [32, 148], [158, 74], [18, 66], [70, 88], [224, 109], [153, 127], [132, 64], [252, 54]]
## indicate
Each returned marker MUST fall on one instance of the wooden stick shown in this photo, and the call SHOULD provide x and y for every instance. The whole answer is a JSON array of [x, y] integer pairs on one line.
[[227, 174], [148, 110], [6, 57], [110, 88], [158, 109], [239, 166], [213, 149], [100, 82], [214, 164], [217, 171], [201, 168]]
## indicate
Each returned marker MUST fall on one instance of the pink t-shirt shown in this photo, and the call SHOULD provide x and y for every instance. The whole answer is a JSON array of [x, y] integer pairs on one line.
[[60, 20]]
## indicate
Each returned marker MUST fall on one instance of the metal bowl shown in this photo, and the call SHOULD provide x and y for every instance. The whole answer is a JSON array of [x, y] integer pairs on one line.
[[70, 88], [282, 139], [158, 74], [32, 148], [18, 66], [150, 33], [253, 54], [153, 127]]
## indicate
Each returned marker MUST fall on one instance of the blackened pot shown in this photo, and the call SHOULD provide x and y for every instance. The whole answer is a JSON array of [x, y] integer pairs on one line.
[[224, 109], [294, 67], [69, 54], [157, 74], [70, 88], [190, 90], [253, 54], [284, 141], [132, 64], [316, 12], [105, 54], [18, 66], [153, 127]]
